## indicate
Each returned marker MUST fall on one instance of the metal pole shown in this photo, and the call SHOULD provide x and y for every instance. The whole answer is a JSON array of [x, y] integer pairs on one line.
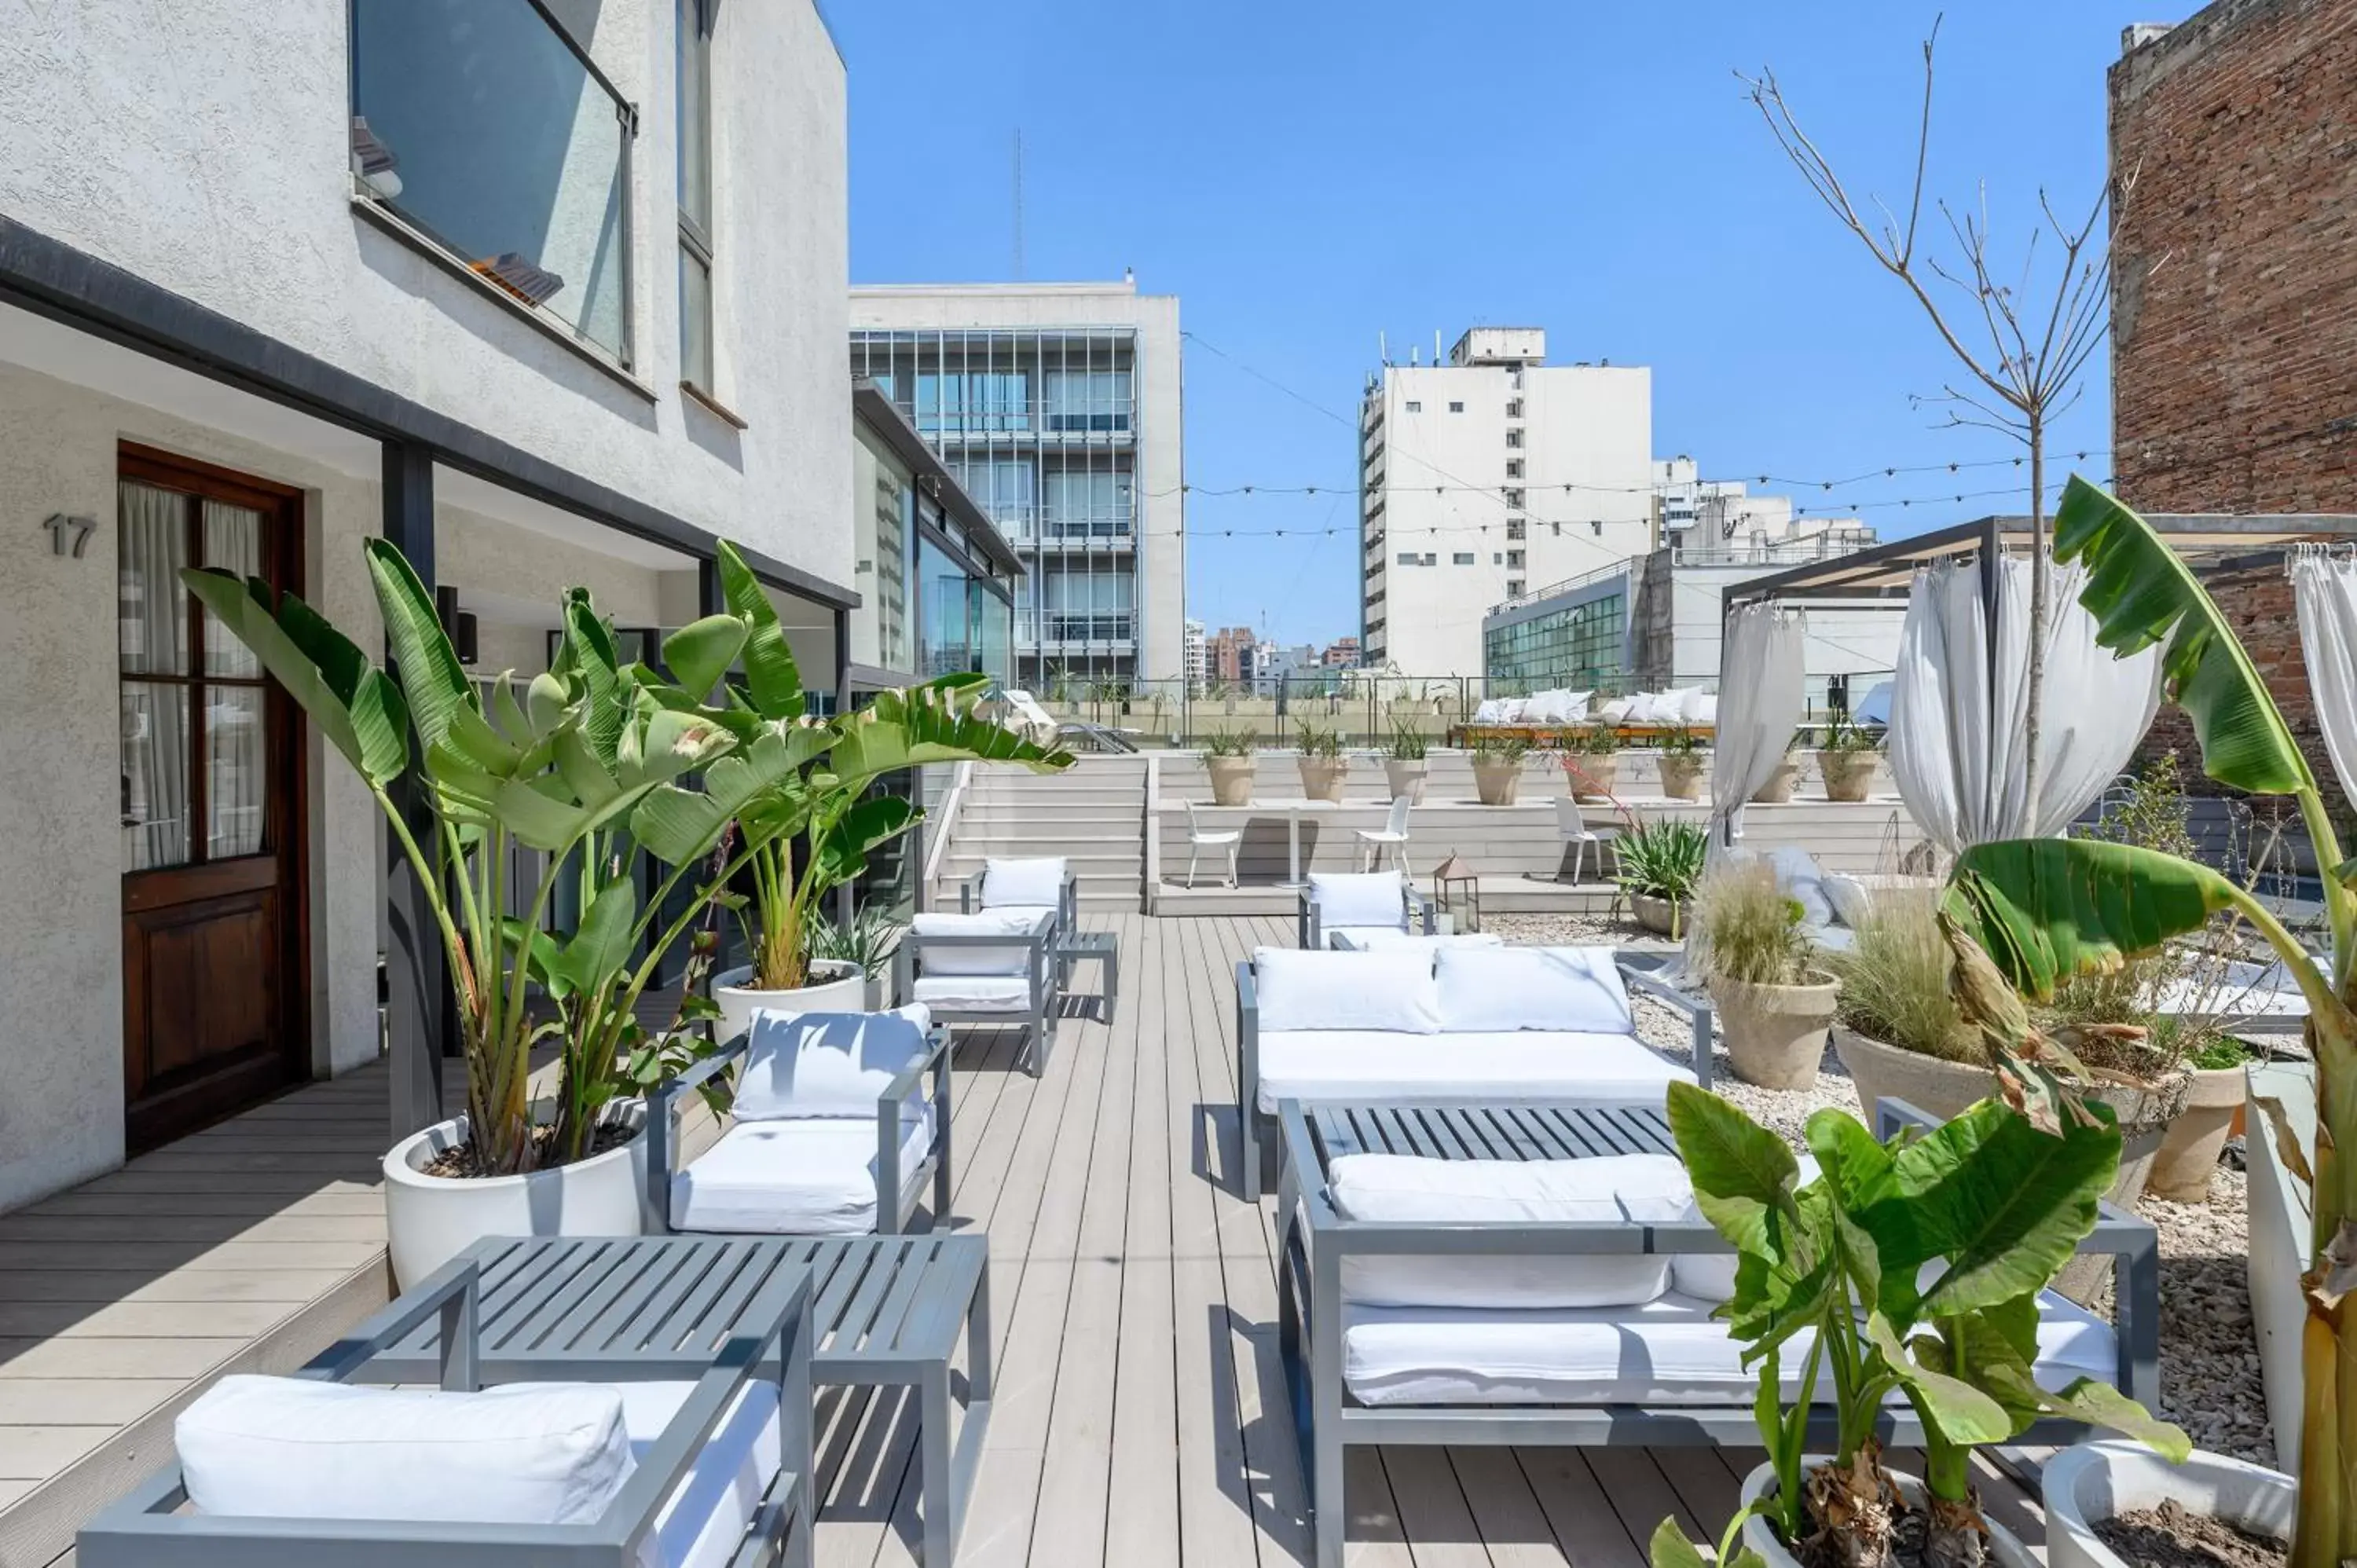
[[420, 1011]]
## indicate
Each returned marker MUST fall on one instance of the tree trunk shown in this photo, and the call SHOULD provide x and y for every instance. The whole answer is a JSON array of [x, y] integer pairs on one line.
[[2033, 708]]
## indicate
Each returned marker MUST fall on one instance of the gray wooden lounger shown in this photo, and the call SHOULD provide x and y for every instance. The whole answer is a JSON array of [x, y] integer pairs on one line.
[[1317, 1238], [886, 1312], [719, 1340]]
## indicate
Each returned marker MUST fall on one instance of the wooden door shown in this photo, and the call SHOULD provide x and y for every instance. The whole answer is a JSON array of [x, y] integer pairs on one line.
[[211, 787]]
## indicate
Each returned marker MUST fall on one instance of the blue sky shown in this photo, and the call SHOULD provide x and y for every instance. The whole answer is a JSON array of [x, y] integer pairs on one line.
[[1305, 174]]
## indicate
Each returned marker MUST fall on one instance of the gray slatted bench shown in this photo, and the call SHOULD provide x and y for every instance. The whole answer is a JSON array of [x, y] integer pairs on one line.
[[1328, 1418], [886, 1311]]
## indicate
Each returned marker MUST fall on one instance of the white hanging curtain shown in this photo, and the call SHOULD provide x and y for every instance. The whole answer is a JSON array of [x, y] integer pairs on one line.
[[2325, 589], [1956, 743], [1761, 695]]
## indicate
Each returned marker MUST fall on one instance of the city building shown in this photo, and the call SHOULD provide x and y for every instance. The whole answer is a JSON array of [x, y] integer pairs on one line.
[[1342, 653], [1487, 475], [277, 280], [1197, 657], [1232, 656], [1057, 407]]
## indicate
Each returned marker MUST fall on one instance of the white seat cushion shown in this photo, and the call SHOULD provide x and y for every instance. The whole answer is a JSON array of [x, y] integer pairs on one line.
[[975, 992], [826, 1064], [703, 1522], [1015, 920], [1034, 881], [1359, 898], [1575, 990], [1345, 991], [1381, 1067], [1374, 940], [1668, 1351], [814, 1177], [296, 1449], [1613, 1190]]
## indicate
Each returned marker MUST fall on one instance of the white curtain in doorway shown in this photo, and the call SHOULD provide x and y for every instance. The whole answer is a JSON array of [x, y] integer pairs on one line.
[[151, 615]]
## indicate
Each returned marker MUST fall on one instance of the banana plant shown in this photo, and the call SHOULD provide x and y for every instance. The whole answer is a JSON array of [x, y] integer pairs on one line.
[[2046, 910], [799, 777], [565, 769], [1914, 1267]]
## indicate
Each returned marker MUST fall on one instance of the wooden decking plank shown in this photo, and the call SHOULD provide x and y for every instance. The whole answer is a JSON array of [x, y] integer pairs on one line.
[[1512, 1525], [1439, 1527], [1640, 1494], [1586, 1527]]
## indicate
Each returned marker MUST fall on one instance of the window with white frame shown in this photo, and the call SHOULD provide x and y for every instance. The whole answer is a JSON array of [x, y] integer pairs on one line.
[[1464, 557], [694, 46]]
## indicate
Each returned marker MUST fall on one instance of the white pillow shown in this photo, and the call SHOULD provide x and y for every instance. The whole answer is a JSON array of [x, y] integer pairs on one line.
[[1358, 898], [826, 1064], [1035, 881], [1560, 990], [1617, 711], [1677, 705], [1702, 709], [1851, 901], [962, 959], [1551, 707], [1798, 877], [1575, 707], [298, 1448], [1641, 709], [1710, 1276], [1618, 1189], [1486, 714], [1384, 991]]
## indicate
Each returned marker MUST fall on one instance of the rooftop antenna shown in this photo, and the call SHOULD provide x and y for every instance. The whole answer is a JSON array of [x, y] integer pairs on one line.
[[1018, 204], [1436, 345], [1383, 347]]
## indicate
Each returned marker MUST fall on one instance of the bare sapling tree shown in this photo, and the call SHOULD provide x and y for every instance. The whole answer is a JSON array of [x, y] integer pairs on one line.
[[2024, 338]]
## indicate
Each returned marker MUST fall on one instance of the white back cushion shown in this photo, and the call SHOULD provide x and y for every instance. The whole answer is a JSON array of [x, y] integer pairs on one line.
[[1710, 1276], [1387, 991], [1798, 875], [1357, 898], [1615, 1190], [1493, 989], [1011, 920], [1851, 901], [1036, 880], [292, 1447], [1489, 710], [826, 1064], [1701, 708], [1371, 939]]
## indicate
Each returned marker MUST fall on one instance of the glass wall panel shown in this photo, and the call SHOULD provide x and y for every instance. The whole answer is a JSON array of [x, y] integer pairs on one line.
[[1578, 647], [944, 644]]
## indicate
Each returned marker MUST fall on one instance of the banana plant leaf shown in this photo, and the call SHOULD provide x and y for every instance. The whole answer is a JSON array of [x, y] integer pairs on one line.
[[356, 706], [677, 825], [929, 723], [773, 681], [2046, 910], [699, 653], [843, 849], [433, 681]]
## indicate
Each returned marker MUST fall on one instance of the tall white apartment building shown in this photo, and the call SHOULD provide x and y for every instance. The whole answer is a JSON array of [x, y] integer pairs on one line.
[[1485, 477], [1057, 407], [1197, 657]]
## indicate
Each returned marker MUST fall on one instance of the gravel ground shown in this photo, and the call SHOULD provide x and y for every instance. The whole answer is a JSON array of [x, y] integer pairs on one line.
[[2209, 1357]]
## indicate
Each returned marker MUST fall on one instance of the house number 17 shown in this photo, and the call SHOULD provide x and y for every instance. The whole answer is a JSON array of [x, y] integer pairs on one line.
[[80, 528]]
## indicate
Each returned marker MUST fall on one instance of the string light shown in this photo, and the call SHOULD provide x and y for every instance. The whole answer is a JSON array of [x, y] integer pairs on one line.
[[1191, 488]]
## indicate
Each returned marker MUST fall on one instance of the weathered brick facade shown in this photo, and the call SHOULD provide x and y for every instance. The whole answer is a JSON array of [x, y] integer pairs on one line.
[[2234, 317]]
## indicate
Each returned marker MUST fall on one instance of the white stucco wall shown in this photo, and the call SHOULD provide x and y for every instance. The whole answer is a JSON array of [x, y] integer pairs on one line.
[[204, 147]]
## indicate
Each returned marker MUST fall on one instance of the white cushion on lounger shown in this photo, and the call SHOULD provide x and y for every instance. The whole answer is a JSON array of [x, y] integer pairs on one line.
[[814, 1177], [826, 1064], [1343, 991], [975, 993], [1486, 714], [1381, 1066], [702, 1524], [1380, 938], [1012, 922], [1668, 1351], [1357, 898], [1551, 989], [292, 1448], [1035, 881], [1614, 1189]]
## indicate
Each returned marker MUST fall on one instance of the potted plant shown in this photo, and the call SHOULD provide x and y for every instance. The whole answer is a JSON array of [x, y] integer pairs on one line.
[[1847, 757], [2044, 910], [1498, 767], [1778, 788], [1405, 767], [1682, 760], [2187, 1157], [1916, 1266], [1590, 757], [1323, 765], [1774, 1003], [1228, 758], [867, 942], [1658, 864]]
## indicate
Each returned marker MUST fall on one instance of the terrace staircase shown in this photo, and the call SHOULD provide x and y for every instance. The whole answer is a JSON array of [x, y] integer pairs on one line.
[[1092, 814]]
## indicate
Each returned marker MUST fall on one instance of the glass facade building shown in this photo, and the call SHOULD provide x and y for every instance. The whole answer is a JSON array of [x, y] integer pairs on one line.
[[1560, 644], [1040, 428]]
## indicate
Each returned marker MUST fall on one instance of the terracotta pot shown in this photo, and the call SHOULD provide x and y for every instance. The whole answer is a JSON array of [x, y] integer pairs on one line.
[[2189, 1148], [1848, 775], [1496, 781], [1405, 779], [1596, 777], [2090, 1482], [1232, 779], [1775, 1034], [1682, 778], [1778, 788], [1321, 777], [1660, 915]]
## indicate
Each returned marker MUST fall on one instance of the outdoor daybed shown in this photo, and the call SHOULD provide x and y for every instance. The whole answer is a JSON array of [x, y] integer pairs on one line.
[[1526, 1025], [1339, 905], [1421, 1302]]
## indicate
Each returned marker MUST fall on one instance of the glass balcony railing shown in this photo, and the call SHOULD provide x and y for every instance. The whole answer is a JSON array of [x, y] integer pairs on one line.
[[483, 124]]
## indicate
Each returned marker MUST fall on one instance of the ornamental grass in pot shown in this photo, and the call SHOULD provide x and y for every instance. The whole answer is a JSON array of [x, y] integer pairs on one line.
[[1323, 765], [1847, 757], [1498, 767], [1405, 765], [1682, 764], [1778, 788], [1658, 865], [1229, 757], [1774, 1003], [1590, 759]]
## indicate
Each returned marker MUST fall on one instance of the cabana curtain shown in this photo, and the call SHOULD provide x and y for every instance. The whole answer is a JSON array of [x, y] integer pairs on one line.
[[2325, 588], [1760, 699]]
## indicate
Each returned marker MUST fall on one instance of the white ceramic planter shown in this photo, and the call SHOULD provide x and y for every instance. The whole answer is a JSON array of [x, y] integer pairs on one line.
[[2006, 1549], [431, 1220], [2095, 1481], [844, 990]]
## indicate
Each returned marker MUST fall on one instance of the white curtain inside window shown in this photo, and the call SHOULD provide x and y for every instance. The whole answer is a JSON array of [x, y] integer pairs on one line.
[[236, 742], [2324, 586], [152, 616]]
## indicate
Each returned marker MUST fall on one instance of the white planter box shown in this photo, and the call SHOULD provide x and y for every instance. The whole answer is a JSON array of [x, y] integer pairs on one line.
[[845, 990], [431, 1220], [2281, 1223], [2096, 1481]]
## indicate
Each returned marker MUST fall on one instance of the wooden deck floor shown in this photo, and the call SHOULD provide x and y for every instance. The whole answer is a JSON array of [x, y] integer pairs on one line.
[[1140, 1419]]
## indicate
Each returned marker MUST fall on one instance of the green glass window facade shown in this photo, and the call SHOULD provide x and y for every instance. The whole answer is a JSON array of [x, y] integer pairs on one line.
[[1578, 646]]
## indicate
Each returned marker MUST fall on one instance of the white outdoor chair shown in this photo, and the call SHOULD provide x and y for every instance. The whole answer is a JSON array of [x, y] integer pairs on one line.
[[1392, 835], [997, 961], [1336, 903], [1571, 828], [1200, 838]]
